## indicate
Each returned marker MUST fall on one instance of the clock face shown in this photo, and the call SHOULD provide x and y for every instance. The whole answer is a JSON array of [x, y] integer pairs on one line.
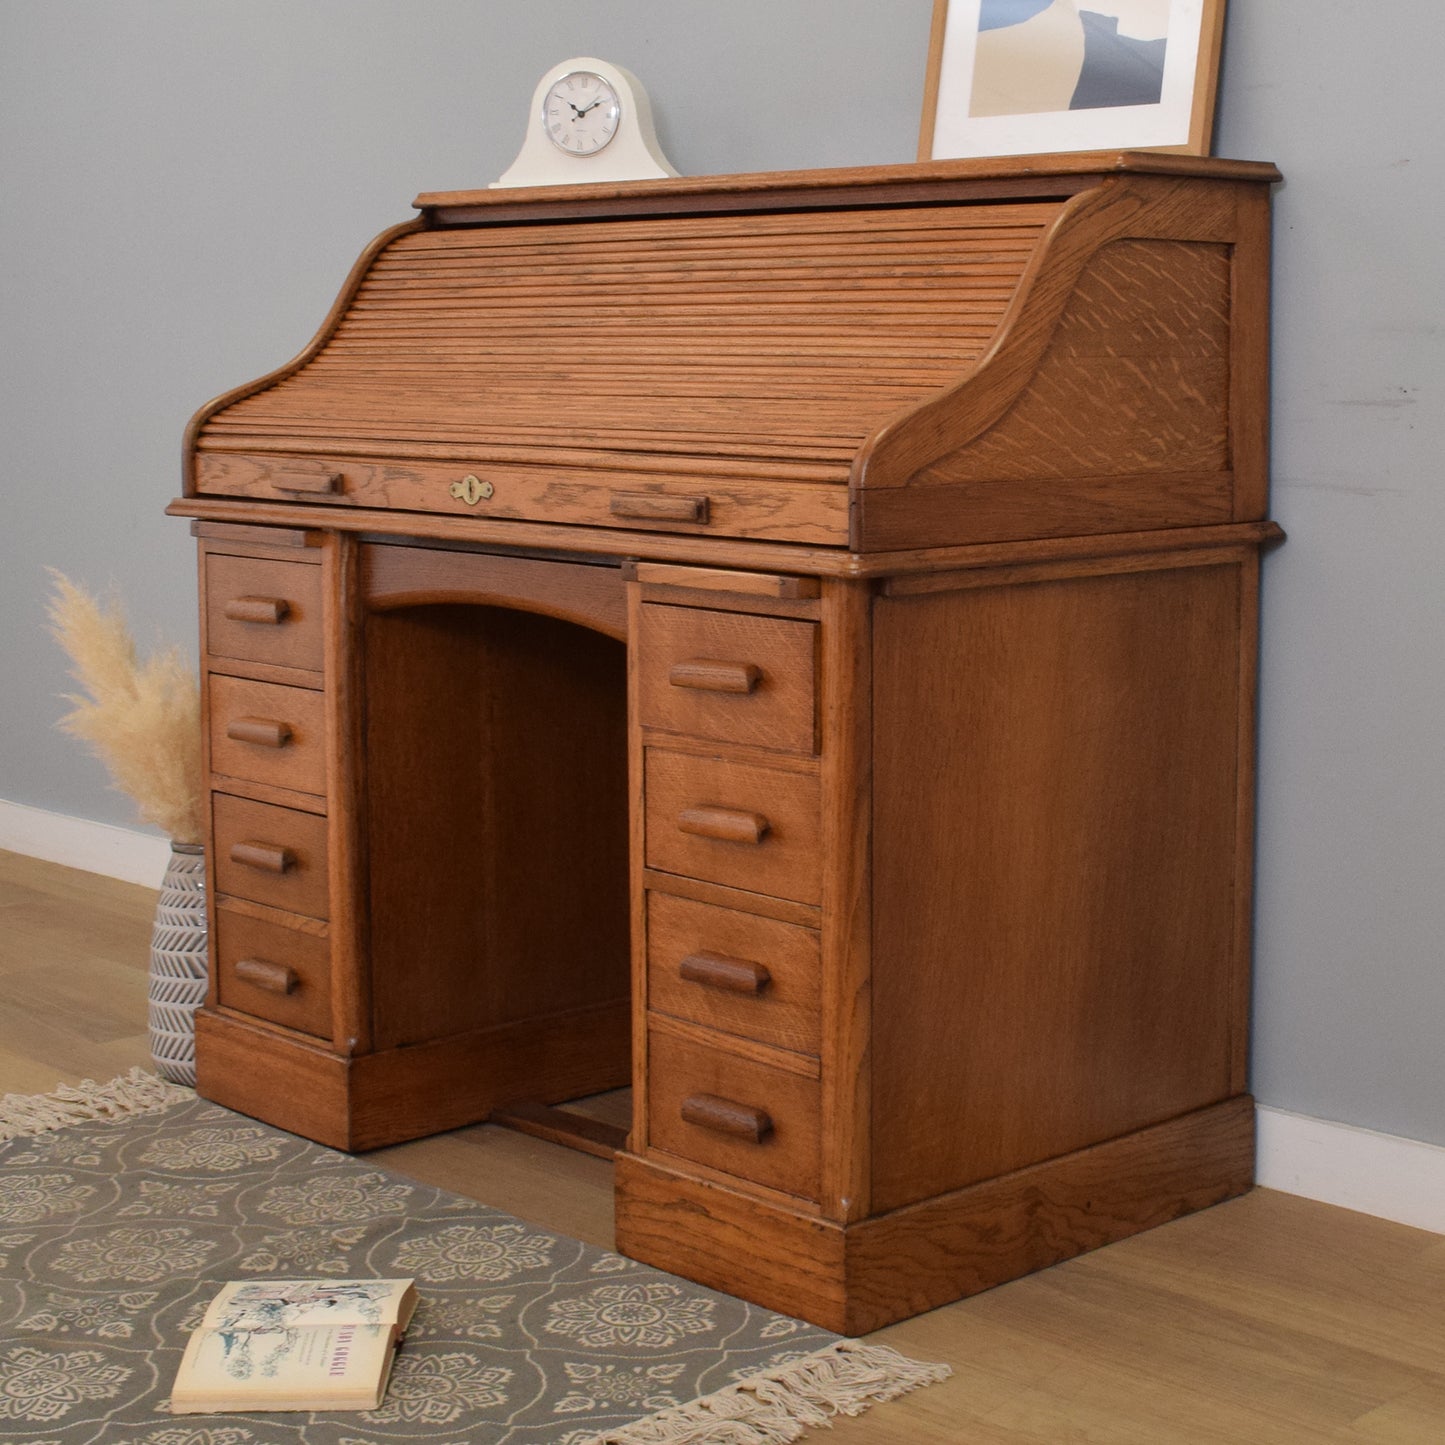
[[580, 113]]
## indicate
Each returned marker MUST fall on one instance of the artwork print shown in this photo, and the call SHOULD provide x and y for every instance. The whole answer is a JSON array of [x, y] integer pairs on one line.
[[1009, 77], [1049, 55]]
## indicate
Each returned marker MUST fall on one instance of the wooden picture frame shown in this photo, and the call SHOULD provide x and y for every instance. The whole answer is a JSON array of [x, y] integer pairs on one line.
[[1019, 77]]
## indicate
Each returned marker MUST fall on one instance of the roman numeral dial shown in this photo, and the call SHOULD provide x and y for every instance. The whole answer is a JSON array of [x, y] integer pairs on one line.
[[580, 113]]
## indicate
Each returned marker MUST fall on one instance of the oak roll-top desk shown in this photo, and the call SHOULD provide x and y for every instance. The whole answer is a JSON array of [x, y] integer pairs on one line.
[[786, 642]]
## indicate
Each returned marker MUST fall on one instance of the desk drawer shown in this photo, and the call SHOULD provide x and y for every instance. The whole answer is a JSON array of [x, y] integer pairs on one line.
[[273, 972], [728, 675], [262, 610], [270, 855], [736, 972], [740, 824], [267, 733], [780, 511], [747, 1118]]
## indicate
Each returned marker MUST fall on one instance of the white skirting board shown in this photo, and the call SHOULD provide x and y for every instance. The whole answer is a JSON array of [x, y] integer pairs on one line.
[[1379, 1174], [124, 853]]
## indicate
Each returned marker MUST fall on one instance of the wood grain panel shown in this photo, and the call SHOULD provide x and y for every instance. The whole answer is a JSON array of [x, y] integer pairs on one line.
[[249, 947], [1056, 772], [783, 861], [382, 1098], [290, 1082], [980, 512], [496, 808], [406, 1092], [589, 594], [782, 1010], [1121, 210], [685, 654], [947, 180], [958, 1244], [681, 1071], [846, 774], [1249, 354], [266, 733], [861, 1277], [764, 506], [271, 855], [778, 1257], [1135, 378], [733, 587], [261, 610]]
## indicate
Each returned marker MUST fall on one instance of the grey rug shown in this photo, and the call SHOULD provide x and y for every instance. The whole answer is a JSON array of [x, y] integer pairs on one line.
[[124, 1207]]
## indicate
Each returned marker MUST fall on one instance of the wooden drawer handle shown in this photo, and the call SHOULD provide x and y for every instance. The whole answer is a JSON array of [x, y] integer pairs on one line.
[[319, 482], [723, 1116], [708, 675], [269, 857], [730, 825], [263, 731], [716, 970], [273, 977], [269, 610], [653, 507]]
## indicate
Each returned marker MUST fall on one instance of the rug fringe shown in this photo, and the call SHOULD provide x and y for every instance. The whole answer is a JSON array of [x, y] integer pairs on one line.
[[134, 1093], [777, 1406]]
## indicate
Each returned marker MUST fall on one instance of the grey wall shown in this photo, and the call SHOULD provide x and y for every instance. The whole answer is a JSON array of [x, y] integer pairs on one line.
[[1350, 937], [183, 186]]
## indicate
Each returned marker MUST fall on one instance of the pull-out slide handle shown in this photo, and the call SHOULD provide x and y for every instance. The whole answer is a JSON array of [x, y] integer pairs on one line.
[[318, 482], [260, 972], [728, 825], [268, 610], [724, 1116], [707, 674], [265, 732], [716, 970], [657, 507], [269, 857]]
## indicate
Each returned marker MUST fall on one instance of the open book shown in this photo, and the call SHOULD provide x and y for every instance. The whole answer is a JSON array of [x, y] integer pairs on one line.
[[294, 1344]]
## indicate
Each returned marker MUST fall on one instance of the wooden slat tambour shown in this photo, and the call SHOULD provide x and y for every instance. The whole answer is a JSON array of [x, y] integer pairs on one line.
[[784, 337]]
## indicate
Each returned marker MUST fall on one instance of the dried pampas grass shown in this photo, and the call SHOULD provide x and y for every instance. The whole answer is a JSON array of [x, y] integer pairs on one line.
[[141, 719]]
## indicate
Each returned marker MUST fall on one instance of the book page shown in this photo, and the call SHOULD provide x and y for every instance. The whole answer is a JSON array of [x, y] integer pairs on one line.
[[318, 1367], [269, 1304]]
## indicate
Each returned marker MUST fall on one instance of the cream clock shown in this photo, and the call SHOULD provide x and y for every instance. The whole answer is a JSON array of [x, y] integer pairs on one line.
[[590, 121]]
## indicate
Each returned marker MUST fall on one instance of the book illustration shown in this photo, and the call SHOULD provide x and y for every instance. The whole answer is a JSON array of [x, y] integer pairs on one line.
[[278, 1304], [294, 1345]]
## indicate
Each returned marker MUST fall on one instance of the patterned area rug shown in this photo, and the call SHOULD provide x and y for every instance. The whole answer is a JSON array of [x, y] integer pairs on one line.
[[123, 1208]]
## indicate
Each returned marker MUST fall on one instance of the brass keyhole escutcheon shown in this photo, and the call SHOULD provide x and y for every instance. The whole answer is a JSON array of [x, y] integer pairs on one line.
[[471, 490]]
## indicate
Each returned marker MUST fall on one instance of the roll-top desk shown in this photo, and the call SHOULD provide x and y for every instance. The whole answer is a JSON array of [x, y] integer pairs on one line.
[[786, 642]]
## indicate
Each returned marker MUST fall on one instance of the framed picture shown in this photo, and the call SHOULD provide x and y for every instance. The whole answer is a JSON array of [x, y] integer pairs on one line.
[[1017, 77]]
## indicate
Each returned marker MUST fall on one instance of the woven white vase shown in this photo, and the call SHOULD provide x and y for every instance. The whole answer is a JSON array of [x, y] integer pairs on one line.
[[178, 964]]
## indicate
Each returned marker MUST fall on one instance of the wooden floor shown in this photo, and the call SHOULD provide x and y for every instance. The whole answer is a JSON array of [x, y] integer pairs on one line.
[[1266, 1321]]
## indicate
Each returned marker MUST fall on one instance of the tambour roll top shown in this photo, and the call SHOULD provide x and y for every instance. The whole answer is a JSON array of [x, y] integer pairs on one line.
[[899, 357]]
